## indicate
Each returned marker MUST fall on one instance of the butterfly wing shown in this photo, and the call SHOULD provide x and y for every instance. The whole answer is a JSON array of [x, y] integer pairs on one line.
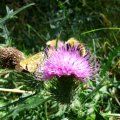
[[30, 64]]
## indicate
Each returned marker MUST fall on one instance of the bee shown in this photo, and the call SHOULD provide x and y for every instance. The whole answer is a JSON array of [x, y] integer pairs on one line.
[[30, 64], [72, 42], [52, 44]]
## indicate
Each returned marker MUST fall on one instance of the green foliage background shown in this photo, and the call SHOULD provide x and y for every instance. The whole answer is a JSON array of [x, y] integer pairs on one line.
[[94, 22]]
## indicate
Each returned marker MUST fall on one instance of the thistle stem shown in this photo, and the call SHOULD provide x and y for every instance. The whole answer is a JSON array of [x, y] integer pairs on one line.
[[64, 89]]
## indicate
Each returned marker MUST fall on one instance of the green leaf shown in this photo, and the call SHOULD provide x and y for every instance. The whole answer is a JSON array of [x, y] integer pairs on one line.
[[11, 13]]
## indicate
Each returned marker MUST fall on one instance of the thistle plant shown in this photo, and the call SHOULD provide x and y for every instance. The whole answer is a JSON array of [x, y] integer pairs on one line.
[[66, 65]]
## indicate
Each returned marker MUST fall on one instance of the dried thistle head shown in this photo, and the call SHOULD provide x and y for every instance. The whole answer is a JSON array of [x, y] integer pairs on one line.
[[10, 57]]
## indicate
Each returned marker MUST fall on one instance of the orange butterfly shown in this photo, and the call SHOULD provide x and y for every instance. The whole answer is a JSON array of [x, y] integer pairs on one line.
[[30, 64]]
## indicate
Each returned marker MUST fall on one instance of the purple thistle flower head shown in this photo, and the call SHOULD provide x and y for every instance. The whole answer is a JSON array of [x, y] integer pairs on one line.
[[67, 61]]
